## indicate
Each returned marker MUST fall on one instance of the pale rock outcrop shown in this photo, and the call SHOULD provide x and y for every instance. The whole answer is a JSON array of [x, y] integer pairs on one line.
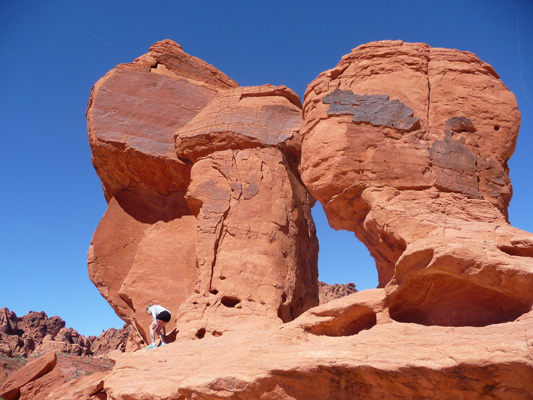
[[327, 354]]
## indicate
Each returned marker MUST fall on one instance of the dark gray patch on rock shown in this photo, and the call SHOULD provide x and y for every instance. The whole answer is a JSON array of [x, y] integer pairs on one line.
[[460, 124], [454, 167], [375, 109]]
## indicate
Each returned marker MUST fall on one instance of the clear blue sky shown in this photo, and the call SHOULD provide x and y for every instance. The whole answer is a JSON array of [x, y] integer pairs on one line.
[[54, 51]]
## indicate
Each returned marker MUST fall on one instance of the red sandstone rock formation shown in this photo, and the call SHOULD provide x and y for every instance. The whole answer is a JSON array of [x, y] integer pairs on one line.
[[413, 145], [35, 333], [405, 145], [43, 379], [132, 116], [206, 209], [109, 340], [10, 389], [327, 293]]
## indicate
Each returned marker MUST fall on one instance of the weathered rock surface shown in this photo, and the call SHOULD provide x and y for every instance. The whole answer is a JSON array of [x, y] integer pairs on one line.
[[413, 144], [403, 144], [143, 251], [39, 388], [134, 111], [206, 208], [36, 333], [132, 116], [47, 378], [109, 340], [326, 292], [346, 349], [245, 117], [11, 388], [251, 201]]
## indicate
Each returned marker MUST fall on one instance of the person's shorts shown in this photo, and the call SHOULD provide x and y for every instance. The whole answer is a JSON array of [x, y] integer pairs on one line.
[[163, 316]]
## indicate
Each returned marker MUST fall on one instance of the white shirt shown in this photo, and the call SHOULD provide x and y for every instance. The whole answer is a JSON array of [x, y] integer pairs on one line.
[[155, 310]]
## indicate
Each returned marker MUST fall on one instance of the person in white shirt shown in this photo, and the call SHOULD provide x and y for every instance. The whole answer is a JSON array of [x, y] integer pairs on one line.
[[161, 317]]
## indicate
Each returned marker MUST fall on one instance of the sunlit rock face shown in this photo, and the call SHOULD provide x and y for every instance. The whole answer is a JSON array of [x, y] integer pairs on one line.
[[209, 188], [407, 146], [205, 203]]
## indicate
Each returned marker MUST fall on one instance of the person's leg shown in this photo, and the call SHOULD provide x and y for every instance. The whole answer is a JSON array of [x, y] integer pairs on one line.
[[153, 330], [161, 326]]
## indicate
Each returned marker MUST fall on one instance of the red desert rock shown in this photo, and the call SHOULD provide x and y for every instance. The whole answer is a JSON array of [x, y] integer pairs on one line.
[[40, 388], [35, 333], [195, 169], [11, 388], [132, 116], [413, 145], [403, 144], [326, 292]]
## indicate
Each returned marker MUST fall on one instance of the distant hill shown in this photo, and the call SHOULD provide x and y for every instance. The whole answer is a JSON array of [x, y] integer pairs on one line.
[[36, 333]]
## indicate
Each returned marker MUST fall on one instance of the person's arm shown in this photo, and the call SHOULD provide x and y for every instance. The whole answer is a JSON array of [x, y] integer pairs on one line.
[[153, 312]]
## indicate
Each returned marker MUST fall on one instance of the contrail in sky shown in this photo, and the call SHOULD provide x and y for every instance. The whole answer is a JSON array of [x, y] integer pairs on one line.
[[520, 52], [86, 31]]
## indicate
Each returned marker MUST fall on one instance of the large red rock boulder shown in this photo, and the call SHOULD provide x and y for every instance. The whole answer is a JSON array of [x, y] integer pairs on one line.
[[47, 378], [83, 388], [407, 146], [11, 388], [143, 249], [40, 388], [256, 246], [245, 146], [134, 111], [205, 203]]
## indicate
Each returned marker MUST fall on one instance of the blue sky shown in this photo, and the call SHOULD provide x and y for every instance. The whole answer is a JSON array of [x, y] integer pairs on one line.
[[54, 51]]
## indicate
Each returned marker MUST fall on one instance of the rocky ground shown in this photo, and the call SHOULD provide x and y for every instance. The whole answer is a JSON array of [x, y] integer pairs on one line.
[[71, 365], [24, 339]]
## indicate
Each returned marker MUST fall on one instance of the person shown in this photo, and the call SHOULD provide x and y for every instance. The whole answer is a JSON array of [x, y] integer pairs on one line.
[[161, 316]]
